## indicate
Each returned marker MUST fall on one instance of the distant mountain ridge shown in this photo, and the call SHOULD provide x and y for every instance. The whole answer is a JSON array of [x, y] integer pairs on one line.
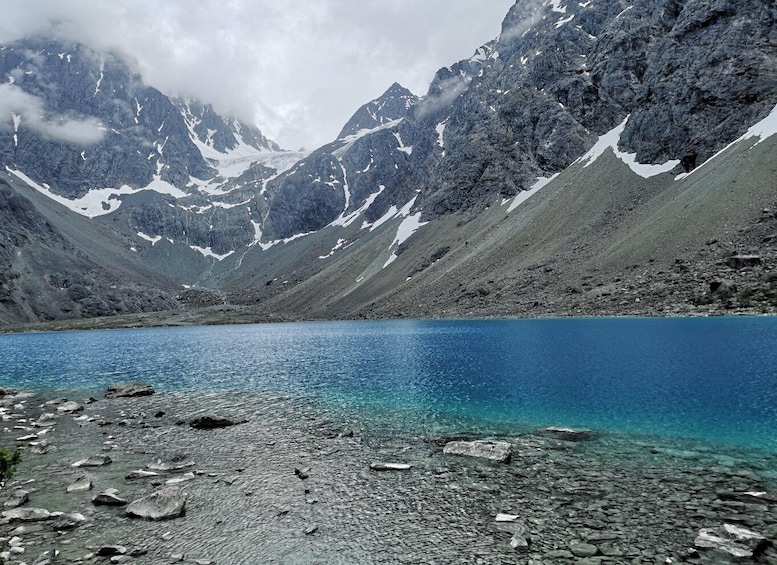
[[412, 183]]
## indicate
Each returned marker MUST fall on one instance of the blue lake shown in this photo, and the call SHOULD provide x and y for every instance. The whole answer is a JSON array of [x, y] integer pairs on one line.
[[713, 379]]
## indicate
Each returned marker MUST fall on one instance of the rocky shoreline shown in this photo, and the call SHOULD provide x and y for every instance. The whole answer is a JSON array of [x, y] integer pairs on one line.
[[276, 479]]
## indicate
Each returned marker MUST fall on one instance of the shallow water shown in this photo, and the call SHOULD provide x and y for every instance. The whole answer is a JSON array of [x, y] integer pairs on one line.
[[712, 379]]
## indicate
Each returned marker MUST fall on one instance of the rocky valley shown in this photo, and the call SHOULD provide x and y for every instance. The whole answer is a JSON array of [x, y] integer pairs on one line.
[[597, 158]]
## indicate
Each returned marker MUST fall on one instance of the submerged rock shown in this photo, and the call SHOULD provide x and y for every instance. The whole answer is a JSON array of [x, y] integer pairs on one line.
[[27, 514], [568, 434], [493, 450], [211, 422], [734, 540], [129, 389], [164, 504], [390, 467], [94, 461], [69, 521]]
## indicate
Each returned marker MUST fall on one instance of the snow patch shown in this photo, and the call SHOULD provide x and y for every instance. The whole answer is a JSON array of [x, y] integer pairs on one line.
[[610, 140], [208, 252], [557, 7], [153, 240], [410, 225], [440, 133], [522, 197], [339, 245], [100, 201], [346, 220], [763, 130]]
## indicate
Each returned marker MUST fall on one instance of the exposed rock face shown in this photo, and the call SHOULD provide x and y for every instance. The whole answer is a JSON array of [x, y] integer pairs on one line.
[[493, 450], [164, 504], [129, 389], [27, 514]]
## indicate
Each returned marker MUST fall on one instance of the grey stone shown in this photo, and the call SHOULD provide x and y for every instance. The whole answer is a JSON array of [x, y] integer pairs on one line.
[[211, 422], [140, 474], [27, 514], [94, 461], [743, 261], [129, 389], [17, 498], [109, 497], [70, 407], [484, 449], [164, 504], [69, 521], [733, 540], [81, 484], [582, 549], [723, 289], [390, 466], [569, 434], [111, 550]]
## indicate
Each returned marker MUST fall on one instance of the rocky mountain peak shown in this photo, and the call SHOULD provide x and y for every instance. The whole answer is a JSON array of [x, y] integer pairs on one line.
[[392, 105]]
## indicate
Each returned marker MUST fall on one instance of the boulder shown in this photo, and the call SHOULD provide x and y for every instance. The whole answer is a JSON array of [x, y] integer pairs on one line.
[[69, 521], [140, 474], [743, 261], [129, 389], [164, 504], [17, 498], [94, 461], [723, 289], [109, 497], [484, 449], [111, 550], [81, 484], [734, 540], [568, 434], [390, 467], [27, 514], [70, 407], [211, 422]]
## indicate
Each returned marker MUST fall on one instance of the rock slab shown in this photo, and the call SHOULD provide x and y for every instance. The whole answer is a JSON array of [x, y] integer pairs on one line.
[[493, 450], [734, 540], [129, 389], [212, 422], [164, 504]]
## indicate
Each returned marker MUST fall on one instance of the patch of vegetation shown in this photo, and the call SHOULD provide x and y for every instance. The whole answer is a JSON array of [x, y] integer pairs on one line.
[[8, 462]]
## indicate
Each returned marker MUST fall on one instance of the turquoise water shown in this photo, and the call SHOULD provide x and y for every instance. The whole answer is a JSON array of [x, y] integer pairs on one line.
[[713, 379]]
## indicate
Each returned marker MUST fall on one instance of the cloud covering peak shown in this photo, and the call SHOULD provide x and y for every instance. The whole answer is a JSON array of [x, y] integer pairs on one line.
[[297, 69]]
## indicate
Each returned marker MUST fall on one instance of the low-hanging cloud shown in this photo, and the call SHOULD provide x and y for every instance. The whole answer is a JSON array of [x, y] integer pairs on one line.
[[298, 69], [448, 90], [522, 17], [25, 110]]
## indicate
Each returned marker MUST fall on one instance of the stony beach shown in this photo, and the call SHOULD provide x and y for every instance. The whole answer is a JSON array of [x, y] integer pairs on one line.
[[277, 479]]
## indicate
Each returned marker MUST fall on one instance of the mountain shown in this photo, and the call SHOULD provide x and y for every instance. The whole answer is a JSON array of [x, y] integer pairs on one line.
[[596, 158]]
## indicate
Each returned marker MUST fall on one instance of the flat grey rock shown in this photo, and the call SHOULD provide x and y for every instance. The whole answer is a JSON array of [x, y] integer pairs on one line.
[[734, 540], [27, 514], [493, 450], [129, 389], [94, 461], [164, 504], [17, 498], [81, 484], [390, 467]]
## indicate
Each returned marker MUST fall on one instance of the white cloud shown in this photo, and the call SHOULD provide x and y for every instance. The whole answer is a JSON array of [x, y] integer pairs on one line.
[[299, 69], [30, 112]]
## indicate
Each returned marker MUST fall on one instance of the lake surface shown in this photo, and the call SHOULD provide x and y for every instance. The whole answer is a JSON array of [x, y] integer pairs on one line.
[[711, 379]]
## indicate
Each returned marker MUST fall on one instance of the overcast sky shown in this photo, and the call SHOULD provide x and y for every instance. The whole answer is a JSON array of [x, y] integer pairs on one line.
[[298, 68]]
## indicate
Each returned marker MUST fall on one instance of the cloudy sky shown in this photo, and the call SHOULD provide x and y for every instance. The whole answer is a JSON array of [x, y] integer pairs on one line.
[[298, 68]]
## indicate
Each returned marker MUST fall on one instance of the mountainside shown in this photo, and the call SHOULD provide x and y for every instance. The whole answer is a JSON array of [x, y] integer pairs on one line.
[[563, 168]]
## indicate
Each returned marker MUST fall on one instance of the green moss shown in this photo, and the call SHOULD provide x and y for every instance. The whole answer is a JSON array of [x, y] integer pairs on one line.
[[8, 462]]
